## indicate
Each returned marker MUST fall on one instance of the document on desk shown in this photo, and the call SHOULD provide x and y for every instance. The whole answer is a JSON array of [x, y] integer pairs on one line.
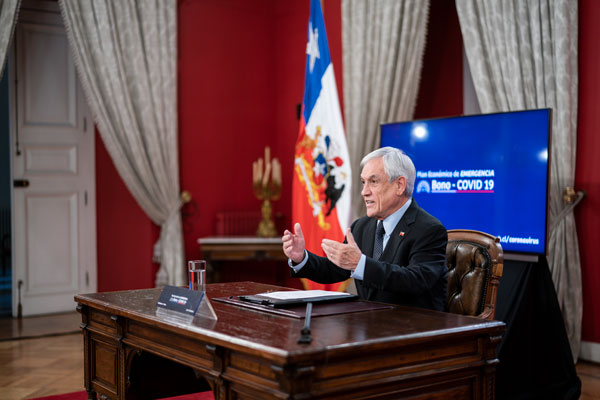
[[303, 294], [291, 297]]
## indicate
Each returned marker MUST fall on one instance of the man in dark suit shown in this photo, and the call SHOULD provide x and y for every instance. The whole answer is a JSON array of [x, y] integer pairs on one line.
[[396, 254]]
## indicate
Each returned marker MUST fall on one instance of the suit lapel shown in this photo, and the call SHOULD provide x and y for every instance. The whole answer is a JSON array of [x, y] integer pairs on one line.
[[400, 232]]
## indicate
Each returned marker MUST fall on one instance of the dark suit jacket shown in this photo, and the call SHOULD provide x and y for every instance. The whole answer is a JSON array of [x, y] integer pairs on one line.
[[411, 271]]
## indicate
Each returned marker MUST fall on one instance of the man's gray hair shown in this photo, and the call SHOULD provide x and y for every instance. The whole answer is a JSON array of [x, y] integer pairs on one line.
[[395, 165]]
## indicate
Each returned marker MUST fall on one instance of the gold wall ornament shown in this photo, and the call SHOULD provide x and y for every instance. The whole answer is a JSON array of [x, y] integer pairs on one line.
[[186, 196], [569, 195], [266, 183]]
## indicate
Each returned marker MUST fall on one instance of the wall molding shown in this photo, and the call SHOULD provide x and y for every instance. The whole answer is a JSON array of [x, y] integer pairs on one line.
[[590, 351]]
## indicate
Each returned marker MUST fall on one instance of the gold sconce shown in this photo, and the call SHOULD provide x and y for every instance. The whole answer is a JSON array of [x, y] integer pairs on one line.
[[266, 183]]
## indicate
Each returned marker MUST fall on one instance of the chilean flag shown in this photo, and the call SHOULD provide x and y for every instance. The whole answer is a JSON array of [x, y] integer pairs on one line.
[[322, 176]]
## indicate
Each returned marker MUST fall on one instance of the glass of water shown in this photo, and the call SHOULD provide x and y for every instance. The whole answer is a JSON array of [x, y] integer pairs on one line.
[[197, 275]]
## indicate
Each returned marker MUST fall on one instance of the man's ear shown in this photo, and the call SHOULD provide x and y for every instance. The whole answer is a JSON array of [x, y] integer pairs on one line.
[[401, 186]]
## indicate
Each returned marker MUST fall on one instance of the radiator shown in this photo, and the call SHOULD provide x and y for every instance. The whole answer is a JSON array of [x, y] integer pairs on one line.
[[237, 223]]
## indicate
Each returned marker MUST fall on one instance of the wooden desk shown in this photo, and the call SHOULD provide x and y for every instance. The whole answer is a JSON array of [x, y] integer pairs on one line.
[[216, 250], [246, 354]]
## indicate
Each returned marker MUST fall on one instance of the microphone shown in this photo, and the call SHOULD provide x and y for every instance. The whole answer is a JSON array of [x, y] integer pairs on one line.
[[305, 337]]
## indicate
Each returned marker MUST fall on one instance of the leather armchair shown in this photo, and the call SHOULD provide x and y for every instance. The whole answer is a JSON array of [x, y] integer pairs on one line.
[[475, 261]]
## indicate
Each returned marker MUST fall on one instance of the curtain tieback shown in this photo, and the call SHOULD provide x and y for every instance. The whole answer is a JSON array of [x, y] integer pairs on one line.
[[157, 249], [571, 199]]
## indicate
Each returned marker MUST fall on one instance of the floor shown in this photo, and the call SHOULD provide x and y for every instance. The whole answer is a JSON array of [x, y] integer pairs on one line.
[[31, 327], [589, 374], [41, 366], [40, 356], [53, 362]]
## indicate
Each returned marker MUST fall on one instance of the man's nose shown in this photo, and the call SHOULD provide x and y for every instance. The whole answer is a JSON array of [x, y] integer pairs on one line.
[[365, 190]]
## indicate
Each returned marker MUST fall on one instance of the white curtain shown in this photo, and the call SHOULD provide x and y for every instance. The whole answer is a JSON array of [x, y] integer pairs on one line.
[[126, 56], [8, 20], [383, 45], [523, 55]]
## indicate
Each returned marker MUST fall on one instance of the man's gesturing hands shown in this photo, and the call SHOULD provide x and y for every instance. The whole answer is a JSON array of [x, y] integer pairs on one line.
[[293, 244], [344, 255]]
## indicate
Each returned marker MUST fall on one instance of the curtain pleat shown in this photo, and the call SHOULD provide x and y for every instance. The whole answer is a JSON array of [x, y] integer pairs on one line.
[[126, 56]]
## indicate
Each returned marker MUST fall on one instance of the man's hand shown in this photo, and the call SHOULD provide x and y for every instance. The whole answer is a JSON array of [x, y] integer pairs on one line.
[[344, 255], [293, 244]]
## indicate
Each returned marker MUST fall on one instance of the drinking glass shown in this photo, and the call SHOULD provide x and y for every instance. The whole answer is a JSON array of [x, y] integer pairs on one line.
[[197, 275]]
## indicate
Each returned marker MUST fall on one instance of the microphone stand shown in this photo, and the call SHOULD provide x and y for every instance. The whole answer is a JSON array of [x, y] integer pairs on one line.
[[305, 337]]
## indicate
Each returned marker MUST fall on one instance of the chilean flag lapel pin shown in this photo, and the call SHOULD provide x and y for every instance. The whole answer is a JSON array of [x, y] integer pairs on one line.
[[401, 234]]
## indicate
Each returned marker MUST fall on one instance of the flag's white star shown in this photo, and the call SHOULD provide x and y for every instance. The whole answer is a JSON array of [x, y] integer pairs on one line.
[[319, 168], [312, 47]]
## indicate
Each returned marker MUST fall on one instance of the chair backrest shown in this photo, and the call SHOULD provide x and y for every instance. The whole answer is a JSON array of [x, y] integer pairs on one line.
[[475, 261]]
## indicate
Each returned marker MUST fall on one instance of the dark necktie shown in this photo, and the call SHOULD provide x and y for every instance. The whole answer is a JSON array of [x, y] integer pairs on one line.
[[378, 249]]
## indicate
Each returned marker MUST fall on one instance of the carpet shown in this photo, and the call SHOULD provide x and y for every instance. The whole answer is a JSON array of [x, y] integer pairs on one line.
[[83, 396]]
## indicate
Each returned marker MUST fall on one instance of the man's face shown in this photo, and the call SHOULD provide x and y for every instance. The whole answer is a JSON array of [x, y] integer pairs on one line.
[[382, 197]]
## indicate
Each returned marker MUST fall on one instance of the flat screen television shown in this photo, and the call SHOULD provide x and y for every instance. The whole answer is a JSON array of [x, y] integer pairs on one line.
[[485, 172]]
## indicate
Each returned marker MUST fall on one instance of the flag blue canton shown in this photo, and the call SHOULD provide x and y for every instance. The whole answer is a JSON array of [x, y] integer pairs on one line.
[[317, 51]]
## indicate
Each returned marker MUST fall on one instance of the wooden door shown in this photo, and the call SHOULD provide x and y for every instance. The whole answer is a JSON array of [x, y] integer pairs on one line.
[[52, 167]]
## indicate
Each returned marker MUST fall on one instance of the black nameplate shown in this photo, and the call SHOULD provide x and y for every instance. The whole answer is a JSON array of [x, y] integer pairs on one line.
[[180, 299]]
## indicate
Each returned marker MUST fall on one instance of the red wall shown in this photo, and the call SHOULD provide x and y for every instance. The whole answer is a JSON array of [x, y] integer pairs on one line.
[[441, 85], [226, 105], [587, 175], [124, 232]]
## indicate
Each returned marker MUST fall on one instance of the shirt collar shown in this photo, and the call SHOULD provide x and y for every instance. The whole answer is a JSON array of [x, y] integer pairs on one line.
[[391, 221]]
